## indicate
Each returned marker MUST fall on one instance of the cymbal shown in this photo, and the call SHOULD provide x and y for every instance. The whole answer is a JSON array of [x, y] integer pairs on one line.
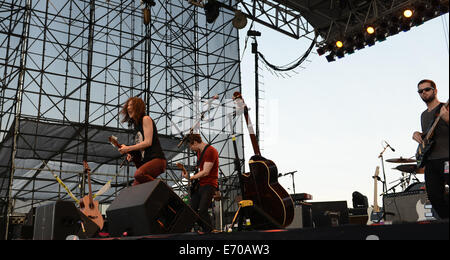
[[400, 160], [409, 168]]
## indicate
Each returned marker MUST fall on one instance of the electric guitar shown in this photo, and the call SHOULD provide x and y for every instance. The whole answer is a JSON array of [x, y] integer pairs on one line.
[[423, 150], [193, 185], [374, 214], [89, 206], [424, 212], [136, 156]]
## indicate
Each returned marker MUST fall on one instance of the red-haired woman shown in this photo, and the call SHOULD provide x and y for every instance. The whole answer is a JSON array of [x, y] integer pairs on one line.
[[147, 142]]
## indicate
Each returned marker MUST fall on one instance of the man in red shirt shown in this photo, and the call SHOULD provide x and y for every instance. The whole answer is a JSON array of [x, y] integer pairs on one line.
[[207, 176]]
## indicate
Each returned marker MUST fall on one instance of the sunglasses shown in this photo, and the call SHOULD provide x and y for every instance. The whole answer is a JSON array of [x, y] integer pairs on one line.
[[420, 91]]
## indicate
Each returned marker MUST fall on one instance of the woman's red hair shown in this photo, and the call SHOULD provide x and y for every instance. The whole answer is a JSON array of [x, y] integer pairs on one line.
[[139, 111]]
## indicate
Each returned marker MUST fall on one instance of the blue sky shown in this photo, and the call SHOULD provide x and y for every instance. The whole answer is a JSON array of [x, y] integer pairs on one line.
[[329, 121]]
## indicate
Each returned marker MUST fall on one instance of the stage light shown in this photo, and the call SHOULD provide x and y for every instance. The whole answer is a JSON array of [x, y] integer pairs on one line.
[[370, 41], [212, 10], [350, 49], [320, 51], [381, 36], [340, 53], [370, 30], [360, 41], [339, 44], [405, 26], [408, 13], [330, 57], [240, 20]]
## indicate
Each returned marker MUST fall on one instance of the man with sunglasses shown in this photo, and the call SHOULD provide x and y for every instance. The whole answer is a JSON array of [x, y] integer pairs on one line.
[[436, 165]]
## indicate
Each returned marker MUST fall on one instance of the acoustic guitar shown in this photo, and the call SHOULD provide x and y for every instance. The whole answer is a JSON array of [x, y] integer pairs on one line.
[[423, 150], [261, 184], [89, 206]]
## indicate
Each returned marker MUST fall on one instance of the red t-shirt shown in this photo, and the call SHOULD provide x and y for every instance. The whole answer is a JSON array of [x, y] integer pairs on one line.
[[211, 155]]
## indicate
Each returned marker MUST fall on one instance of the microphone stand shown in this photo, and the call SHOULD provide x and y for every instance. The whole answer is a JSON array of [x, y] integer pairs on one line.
[[382, 166], [292, 175]]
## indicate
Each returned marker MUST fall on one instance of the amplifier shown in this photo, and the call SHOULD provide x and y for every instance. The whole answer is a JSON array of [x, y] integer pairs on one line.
[[302, 216], [405, 206]]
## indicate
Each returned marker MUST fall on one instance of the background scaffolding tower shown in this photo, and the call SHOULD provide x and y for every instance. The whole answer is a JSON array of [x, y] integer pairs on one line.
[[66, 67]]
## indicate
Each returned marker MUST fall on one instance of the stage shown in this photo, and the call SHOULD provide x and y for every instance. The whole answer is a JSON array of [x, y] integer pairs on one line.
[[436, 230]]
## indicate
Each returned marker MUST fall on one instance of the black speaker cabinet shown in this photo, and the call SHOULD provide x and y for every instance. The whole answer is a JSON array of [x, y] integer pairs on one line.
[[149, 208], [402, 206], [57, 220], [330, 213]]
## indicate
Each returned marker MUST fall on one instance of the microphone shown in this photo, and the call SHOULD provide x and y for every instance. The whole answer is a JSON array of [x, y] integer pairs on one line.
[[389, 146]]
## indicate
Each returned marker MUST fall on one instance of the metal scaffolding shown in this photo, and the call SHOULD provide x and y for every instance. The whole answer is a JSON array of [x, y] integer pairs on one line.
[[66, 67]]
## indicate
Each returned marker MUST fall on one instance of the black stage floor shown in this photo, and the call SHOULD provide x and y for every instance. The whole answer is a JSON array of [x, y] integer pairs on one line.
[[437, 230]]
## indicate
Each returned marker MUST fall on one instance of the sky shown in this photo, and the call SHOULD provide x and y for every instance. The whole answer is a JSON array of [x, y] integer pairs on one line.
[[329, 121]]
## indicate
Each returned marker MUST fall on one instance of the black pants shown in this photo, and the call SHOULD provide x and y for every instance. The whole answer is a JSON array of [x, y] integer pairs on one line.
[[435, 181], [201, 202]]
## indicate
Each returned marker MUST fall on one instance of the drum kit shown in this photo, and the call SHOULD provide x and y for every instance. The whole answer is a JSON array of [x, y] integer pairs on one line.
[[409, 170]]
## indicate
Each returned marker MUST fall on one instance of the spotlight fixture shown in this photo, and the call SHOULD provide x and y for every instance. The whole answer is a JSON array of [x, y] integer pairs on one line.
[[240, 20], [370, 30], [340, 53], [370, 41], [320, 51], [377, 30], [212, 10], [330, 57], [408, 13], [381, 36]]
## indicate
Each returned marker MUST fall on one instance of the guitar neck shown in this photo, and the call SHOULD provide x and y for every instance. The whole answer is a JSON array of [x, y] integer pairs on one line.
[[253, 137], [91, 199], [375, 190], [375, 196], [88, 170], [431, 131]]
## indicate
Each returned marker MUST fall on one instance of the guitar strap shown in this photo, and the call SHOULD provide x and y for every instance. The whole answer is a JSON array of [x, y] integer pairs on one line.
[[201, 156], [438, 109]]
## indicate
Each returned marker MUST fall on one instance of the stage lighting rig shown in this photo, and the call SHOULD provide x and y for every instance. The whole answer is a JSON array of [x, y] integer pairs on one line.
[[379, 28]]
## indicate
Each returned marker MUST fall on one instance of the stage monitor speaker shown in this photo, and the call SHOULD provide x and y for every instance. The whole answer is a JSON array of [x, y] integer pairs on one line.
[[149, 208], [402, 206], [57, 220], [330, 213]]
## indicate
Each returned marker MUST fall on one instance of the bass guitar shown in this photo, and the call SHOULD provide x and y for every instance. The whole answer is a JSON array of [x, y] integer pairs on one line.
[[374, 214], [423, 150], [89, 206], [261, 184], [136, 156]]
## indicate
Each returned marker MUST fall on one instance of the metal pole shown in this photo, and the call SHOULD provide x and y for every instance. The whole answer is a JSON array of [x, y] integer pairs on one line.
[[20, 88], [255, 51]]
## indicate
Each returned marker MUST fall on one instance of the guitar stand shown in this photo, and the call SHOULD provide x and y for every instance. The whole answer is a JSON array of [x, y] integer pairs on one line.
[[246, 211]]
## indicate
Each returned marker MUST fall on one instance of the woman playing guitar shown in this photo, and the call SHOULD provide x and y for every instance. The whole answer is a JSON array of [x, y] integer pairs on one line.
[[153, 161]]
